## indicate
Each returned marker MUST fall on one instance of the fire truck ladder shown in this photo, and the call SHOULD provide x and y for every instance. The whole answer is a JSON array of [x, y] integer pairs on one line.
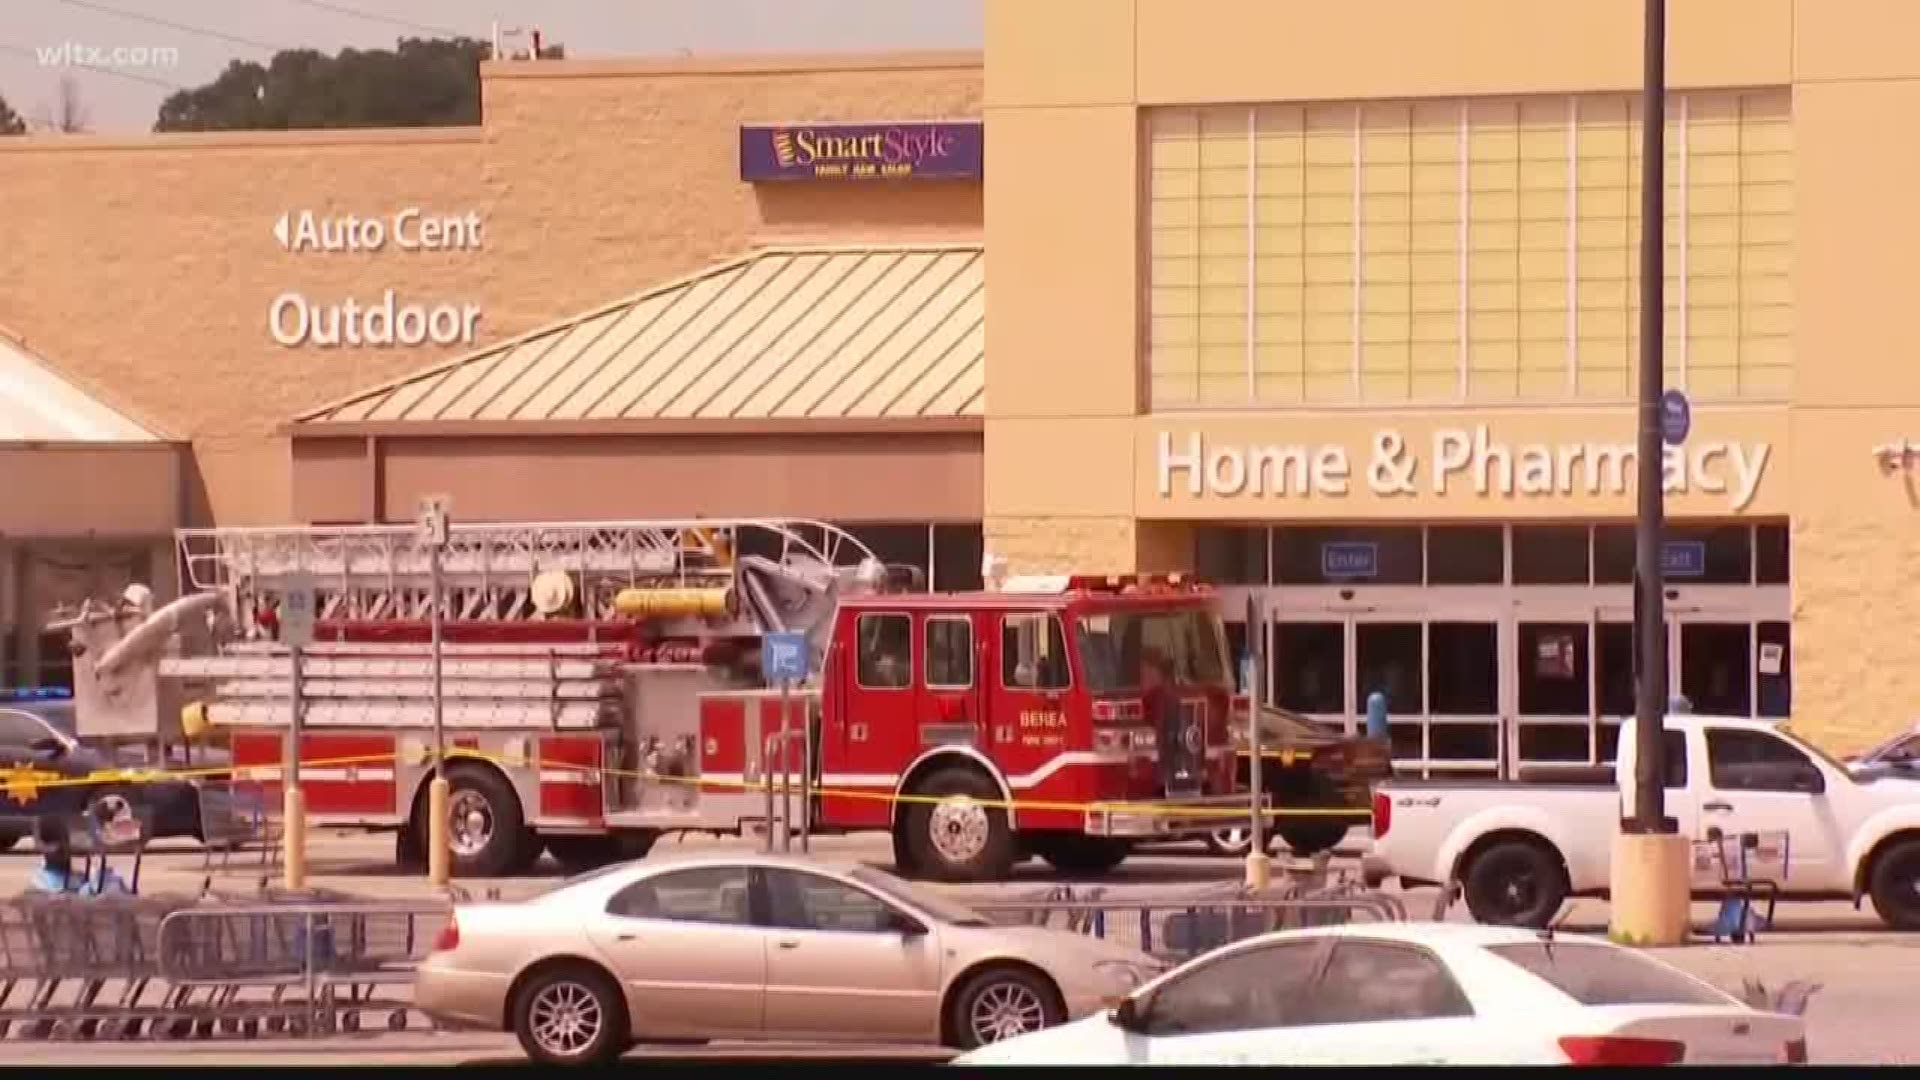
[[488, 571]]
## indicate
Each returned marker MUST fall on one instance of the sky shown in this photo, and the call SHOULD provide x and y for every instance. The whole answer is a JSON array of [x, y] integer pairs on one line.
[[123, 57]]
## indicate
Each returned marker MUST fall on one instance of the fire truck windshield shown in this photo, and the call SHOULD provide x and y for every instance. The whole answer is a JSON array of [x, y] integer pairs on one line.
[[1115, 646]]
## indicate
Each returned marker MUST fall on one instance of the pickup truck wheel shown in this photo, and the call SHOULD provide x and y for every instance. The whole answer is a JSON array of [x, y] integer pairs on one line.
[[1514, 883], [1895, 885], [955, 830]]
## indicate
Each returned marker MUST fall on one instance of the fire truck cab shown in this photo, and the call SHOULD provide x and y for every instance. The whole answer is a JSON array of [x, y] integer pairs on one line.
[[1063, 717]]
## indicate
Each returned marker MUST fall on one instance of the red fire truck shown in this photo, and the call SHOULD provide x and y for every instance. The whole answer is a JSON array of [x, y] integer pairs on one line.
[[600, 687]]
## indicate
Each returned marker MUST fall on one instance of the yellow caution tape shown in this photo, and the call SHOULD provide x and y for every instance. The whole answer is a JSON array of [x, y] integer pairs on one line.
[[25, 784]]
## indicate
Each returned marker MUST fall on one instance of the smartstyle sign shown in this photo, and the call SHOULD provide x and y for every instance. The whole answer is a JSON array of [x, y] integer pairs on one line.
[[946, 150], [296, 321], [1457, 459]]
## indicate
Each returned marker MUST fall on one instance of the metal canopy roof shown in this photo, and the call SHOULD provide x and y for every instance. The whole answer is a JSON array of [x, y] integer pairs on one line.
[[38, 405], [804, 333]]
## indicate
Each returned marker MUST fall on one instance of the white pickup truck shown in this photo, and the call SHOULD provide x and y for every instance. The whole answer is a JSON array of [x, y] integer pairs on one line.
[[1519, 848]]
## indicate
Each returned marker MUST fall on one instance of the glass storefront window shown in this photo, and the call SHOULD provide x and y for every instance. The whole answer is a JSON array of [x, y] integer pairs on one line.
[[1719, 555], [957, 552], [1552, 669], [1774, 658], [1549, 554], [1616, 669], [1351, 555], [1464, 742], [1463, 669], [1387, 659], [1466, 555], [1231, 554], [1551, 743], [1309, 667], [1716, 667], [1772, 554]]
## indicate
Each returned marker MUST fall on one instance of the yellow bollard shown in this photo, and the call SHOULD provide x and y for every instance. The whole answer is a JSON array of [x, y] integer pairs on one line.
[[439, 842], [293, 837], [1652, 902], [1259, 871]]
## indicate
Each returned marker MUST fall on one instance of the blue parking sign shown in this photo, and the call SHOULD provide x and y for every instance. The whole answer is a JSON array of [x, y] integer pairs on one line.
[[1676, 417], [784, 657]]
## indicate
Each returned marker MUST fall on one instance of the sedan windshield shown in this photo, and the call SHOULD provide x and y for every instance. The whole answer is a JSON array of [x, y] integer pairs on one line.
[[1116, 645], [926, 900]]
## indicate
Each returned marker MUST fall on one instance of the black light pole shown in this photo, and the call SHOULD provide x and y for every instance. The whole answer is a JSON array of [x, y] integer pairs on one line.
[[1649, 615]]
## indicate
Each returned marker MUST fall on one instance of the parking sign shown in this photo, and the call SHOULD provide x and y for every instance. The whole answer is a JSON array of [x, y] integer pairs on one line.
[[784, 657], [296, 612]]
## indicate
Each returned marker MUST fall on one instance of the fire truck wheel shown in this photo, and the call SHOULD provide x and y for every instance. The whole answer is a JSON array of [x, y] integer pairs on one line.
[[959, 834], [1077, 853], [486, 827]]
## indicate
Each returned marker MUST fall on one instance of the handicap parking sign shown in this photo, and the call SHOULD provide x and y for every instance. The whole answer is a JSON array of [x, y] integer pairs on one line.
[[784, 657]]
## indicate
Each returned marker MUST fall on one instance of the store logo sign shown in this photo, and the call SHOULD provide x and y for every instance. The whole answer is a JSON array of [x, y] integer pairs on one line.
[[1457, 459], [950, 150]]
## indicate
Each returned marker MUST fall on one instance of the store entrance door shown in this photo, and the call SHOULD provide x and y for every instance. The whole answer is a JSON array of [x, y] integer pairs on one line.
[[1438, 667], [1733, 664]]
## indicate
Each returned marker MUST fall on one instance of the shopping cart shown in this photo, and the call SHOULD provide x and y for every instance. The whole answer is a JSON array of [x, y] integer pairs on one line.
[[299, 963], [98, 836], [88, 963], [1747, 870]]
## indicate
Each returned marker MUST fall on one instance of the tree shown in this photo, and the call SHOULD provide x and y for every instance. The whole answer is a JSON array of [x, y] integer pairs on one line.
[[67, 115], [11, 123], [422, 82]]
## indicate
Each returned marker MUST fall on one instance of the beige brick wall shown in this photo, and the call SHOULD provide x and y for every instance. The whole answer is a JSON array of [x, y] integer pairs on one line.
[[1855, 677], [145, 267], [1064, 545]]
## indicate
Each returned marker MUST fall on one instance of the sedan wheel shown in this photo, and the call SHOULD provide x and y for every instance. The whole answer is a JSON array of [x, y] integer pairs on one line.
[[1002, 1003], [571, 1016]]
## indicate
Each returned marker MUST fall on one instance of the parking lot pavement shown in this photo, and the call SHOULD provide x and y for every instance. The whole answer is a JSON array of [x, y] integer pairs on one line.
[[425, 1049], [1859, 1017]]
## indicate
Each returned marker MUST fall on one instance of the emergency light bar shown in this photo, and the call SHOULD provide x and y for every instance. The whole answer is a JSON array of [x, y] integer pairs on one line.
[[35, 693]]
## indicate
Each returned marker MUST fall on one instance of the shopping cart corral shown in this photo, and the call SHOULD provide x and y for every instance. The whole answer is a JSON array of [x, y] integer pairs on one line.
[[1181, 924], [124, 966]]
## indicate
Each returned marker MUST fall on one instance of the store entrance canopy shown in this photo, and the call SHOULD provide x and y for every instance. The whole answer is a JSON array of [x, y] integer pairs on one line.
[[76, 466], [842, 382]]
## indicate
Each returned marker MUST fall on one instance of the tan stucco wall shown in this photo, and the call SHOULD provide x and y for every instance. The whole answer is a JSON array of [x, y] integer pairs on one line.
[[1071, 449], [147, 266]]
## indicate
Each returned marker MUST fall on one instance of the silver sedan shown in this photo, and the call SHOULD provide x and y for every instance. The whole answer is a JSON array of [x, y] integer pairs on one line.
[[758, 948]]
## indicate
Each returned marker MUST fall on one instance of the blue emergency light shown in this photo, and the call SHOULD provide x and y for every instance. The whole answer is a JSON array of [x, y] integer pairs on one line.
[[35, 693]]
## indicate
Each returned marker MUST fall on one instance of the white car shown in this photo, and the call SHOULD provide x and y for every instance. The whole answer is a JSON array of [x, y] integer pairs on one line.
[[1417, 994]]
